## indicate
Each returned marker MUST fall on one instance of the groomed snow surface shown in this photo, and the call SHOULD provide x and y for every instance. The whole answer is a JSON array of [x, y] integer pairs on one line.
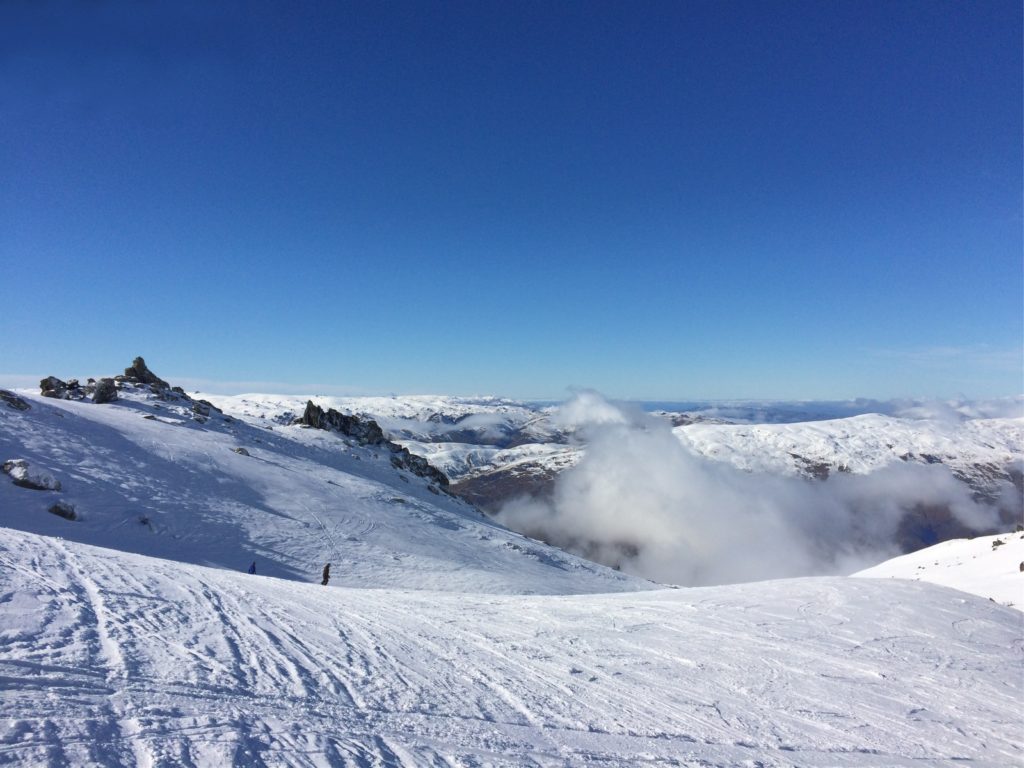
[[990, 566], [132, 635], [119, 660]]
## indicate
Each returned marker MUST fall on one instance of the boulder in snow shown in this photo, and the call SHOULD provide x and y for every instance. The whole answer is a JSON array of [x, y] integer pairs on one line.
[[63, 509], [25, 477], [51, 386], [105, 392]]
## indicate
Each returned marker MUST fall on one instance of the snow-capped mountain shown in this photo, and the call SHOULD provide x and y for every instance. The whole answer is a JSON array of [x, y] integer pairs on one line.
[[159, 473], [130, 633], [524, 449], [798, 438]]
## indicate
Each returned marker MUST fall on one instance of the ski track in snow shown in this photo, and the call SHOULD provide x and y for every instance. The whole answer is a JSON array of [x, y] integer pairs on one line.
[[116, 659]]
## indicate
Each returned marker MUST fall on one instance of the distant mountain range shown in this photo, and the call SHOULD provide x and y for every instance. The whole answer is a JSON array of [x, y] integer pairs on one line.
[[495, 450], [164, 598]]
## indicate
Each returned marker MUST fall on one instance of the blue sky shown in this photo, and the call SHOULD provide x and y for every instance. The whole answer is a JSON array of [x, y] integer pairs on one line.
[[658, 200]]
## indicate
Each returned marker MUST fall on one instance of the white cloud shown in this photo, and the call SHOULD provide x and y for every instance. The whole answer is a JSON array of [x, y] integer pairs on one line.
[[641, 500]]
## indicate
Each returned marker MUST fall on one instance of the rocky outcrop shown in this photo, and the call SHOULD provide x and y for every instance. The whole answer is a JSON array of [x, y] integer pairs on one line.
[[402, 459], [136, 377], [23, 476], [368, 432], [51, 386], [139, 373], [11, 400], [105, 391], [203, 408]]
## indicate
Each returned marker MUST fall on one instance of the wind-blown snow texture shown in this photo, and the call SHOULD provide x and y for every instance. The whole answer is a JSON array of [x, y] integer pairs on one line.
[[118, 659]]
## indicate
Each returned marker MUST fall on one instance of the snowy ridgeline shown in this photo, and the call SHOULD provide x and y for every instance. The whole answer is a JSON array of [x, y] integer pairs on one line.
[[151, 476], [116, 659], [442, 638], [466, 436]]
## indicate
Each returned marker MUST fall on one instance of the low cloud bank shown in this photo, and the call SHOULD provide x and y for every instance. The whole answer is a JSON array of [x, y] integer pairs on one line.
[[641, 501]]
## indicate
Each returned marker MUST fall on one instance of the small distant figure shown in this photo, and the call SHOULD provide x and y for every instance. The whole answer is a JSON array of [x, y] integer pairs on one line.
[[252, 568], [327, 574]]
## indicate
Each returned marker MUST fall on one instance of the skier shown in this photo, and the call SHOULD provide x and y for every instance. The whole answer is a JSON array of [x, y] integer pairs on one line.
[[327, 574], [252, 568]]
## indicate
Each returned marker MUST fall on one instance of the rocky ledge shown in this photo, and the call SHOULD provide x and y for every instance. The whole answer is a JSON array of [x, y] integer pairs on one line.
[[368, 432]]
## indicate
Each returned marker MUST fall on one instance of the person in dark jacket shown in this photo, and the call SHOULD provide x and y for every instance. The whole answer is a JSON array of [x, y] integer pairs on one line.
[[252, 568], [327, 574]]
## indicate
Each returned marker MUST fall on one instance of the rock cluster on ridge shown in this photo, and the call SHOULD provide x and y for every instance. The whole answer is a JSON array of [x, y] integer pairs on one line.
[[368, 432], [137, 375]]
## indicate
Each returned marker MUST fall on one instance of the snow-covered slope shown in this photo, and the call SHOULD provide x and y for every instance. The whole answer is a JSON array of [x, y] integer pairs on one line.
[[516, 449], [442, 639], [989, 566], [153, 476], [121, 660]]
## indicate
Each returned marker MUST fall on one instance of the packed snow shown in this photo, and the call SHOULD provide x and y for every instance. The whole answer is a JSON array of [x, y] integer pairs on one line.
[[132, 634], [989, 566], [116, 659]]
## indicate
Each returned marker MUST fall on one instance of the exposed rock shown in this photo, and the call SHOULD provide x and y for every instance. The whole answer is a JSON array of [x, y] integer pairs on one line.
[[202, 408], [240, 451], [105, 392], [368, 432], [13, 401], [402, 459], [140, 373], [63, 509], [816, 469], [24, 477], [51, 386]]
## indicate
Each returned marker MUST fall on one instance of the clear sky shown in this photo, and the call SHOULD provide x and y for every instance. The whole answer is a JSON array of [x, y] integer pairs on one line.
[[658, 200]]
